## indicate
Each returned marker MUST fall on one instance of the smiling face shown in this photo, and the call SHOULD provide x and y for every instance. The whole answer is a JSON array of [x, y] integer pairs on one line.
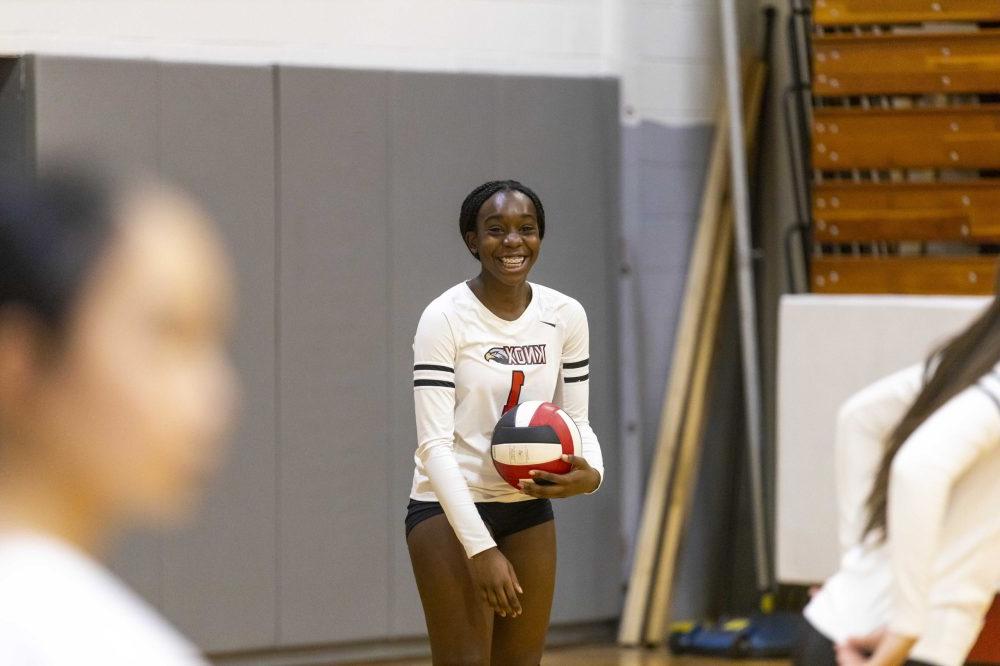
[[507, 239]]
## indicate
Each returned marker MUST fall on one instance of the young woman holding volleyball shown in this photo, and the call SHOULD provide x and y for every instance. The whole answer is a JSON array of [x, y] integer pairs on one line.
[[483, 552]]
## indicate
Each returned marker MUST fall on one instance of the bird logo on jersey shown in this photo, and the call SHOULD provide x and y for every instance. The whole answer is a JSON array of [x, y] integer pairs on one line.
[[517, 355], [499, 355]]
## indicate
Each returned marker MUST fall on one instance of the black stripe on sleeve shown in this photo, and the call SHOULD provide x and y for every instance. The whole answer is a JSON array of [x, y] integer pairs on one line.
[[581, 378], [433, 382], [427, 366], [577, 364]]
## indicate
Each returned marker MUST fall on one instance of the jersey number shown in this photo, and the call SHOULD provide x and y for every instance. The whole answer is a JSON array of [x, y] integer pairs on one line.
[[516, 383]]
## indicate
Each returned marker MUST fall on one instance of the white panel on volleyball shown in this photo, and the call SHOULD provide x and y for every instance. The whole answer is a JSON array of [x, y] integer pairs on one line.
[[526, 453], [525, 412], [574, 431]]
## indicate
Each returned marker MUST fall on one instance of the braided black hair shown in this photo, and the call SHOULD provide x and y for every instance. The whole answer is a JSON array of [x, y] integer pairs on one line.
[[53, 229], [482, 194]]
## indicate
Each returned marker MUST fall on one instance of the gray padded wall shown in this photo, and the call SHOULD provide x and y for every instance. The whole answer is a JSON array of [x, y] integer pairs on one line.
[[442, 130], [97, 108], [217, 141], [565, 143], [333, 305], [106, 109], [211, 130], [446, 134], [338, 193]]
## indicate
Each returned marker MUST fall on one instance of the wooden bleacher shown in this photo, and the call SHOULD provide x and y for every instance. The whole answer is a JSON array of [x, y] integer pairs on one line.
[[948, 137], [906, 63], [935, 211], [962, 275], [905, 146], [866, 12]]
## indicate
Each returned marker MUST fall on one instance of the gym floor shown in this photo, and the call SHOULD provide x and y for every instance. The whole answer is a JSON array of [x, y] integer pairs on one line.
[[609, 655]]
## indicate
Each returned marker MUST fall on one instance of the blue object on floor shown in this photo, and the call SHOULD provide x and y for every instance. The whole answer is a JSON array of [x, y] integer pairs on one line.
[[762, 636], [774, 635]]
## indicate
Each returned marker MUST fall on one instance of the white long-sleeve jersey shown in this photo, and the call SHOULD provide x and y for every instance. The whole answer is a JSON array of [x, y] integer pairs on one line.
[[58, 607], [937, 572], [469, 365]]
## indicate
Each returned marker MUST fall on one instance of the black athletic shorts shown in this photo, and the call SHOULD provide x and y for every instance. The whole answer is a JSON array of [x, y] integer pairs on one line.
[[501, 518], [815, 649]]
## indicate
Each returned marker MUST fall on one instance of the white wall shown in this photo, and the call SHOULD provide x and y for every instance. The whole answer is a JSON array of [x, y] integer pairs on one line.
[[670, 61], [665, 50], [531, 36]]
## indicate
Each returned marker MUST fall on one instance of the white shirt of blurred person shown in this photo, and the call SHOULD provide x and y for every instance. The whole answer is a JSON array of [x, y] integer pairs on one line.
[[115, 393], [921, 593]]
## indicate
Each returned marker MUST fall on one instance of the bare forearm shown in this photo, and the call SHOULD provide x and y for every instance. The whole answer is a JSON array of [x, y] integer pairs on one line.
[[893, 650]]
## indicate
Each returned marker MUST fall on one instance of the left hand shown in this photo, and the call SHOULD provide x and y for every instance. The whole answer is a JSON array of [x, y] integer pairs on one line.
[[582, 478], [855, 651], [885, 647]]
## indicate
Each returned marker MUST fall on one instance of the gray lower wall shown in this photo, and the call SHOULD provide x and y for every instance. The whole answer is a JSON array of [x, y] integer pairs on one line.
[[338, 192], [663, 173], [664, 169]]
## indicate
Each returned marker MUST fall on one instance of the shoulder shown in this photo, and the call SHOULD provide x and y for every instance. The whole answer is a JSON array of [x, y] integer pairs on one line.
[[450, 301], [560, 305], [30, 563], [48, 588], [446, 307], [970, 424], [894, 392]]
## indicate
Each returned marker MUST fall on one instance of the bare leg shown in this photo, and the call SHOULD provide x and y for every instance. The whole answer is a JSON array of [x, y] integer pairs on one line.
[[532, 552], [460, 626]]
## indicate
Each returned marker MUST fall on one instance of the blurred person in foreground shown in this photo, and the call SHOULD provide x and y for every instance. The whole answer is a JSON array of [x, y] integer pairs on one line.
[[918, 485], [115, 393]]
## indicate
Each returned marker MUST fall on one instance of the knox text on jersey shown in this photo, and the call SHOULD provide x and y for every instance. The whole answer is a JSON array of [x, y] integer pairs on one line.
[[517, 355]]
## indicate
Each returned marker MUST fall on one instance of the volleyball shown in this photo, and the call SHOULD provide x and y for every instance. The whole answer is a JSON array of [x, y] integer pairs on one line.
[[533, 435]]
